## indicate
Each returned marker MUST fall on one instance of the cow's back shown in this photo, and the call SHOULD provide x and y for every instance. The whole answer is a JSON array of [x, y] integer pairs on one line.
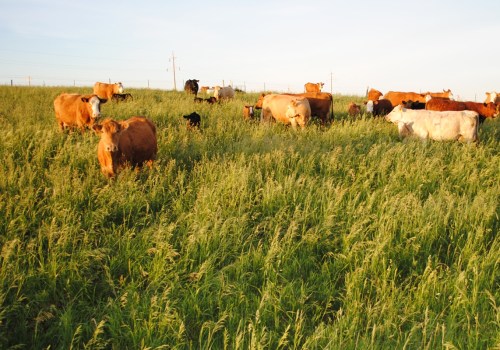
[[106, 91], [138, 142], [66, 107], [397, 98], [438, 104]]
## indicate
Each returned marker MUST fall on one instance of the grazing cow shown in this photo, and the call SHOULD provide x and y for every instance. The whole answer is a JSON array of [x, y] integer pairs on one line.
[[191, 86], [204, 89], [77, 111], [287, 109], [193, 120], [122, 97], [211, 100], [248, 112], [378, 107], [439, 126], [312, 87], [485, 110], [353, 109], [130, 142], [107, 91], [397, 98], [223, 93], [492, 97], [413, 104], [374, 95]]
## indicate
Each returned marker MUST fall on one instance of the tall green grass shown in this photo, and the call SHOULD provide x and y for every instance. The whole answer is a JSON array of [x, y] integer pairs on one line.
[[245, 236]]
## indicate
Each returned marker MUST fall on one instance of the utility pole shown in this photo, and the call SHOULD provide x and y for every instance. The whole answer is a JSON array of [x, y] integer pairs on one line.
[[173, 69]]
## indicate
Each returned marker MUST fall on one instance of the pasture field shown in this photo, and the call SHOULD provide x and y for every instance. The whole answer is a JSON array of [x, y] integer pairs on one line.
[[245, 236]]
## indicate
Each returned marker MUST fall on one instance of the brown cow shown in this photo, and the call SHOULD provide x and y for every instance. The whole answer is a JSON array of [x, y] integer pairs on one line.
[[397, 98], [130, 142], [77, 111], [485, 110], [446, 94], [248, 112], [353, 109], [107, 91], [312, 87]]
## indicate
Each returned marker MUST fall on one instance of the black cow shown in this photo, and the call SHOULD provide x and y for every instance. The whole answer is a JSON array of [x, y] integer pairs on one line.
[[193, 120], [413, 104], [121, 97], [191, 86]]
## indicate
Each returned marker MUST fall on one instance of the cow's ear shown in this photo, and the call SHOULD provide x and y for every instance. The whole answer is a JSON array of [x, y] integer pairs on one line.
[[85, 99], [123, 125], [97, 128]]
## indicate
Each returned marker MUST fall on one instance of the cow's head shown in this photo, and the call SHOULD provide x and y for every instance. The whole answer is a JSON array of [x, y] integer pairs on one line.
[[448, 94], [369, 106], [258, 105], [109, 131], [395, 115], [119, 88], [95, 105], [248, 112]]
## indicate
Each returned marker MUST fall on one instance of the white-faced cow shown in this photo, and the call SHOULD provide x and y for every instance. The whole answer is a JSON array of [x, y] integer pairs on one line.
[[107, 91], [492, 97], [122, 143], [439, 126], [77, 111], [248, 112]]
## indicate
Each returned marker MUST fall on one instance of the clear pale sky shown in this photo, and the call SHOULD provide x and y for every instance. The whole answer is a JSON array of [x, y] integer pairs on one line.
[[264, 44]]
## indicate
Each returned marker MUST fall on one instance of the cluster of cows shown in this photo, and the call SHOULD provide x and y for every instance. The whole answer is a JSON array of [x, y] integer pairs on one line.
[[132, 141], [431, 115]]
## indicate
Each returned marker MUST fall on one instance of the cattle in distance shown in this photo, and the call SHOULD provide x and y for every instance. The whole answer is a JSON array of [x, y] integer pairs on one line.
[[191, 86], [107, 91]]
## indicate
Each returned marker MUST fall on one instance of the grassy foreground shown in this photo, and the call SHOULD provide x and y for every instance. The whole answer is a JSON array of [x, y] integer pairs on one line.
[[245, 236]]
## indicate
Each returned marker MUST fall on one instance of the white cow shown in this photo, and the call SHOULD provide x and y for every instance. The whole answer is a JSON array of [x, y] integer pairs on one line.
[[221, 93], [287, 109], [439, 126]]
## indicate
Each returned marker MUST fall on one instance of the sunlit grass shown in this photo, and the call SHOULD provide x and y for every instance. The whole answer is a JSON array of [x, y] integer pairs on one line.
[[245, 236]]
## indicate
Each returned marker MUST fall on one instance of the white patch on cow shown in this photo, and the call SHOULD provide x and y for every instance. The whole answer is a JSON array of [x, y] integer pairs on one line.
[[427, 98], [493, 97], [95, 104], [451, 97], [369, 106], [120, 88], [251, 110]]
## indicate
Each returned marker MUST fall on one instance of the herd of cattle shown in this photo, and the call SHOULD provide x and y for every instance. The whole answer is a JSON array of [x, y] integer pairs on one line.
[[133, 142]]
